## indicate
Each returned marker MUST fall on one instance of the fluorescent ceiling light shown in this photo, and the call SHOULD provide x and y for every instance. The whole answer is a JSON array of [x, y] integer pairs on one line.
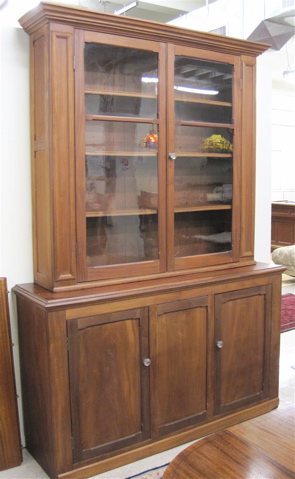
[[201, 91], [126, 8], [149, 80], [196, 90]]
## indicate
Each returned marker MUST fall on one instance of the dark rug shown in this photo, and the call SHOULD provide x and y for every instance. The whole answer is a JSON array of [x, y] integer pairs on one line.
[[156, 473], [288, 312]]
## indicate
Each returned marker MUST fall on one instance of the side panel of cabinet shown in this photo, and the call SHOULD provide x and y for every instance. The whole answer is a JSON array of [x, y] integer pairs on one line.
[[179, 343], [248, 149], [242, 335], [109, 383], [41, 192], [45, 386], [53, 181]]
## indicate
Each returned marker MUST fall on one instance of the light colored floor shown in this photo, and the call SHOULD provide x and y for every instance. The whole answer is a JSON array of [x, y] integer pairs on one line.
[[31, 470]]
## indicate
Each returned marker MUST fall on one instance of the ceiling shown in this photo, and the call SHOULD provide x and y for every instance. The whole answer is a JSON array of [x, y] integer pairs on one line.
[[154, 10]]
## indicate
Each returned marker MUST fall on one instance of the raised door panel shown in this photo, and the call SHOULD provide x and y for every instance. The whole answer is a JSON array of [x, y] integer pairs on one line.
[[62, 151], [242, 334], [108, 381], [179, 334]]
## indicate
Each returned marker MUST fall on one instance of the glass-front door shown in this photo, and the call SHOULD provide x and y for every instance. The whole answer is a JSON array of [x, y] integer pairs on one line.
[[120, 158], [157, 158], [202, 174]]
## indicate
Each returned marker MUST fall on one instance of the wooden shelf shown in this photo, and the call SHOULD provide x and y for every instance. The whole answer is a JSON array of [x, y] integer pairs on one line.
[[98, 214], [130, 119], [181, 209], [212, 207], [205, 102], [121, 93], [204, 154], [153, 153], [154, 96]]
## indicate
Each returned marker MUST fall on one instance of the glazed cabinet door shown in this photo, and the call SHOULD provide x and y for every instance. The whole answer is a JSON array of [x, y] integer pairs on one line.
[[179, 344], [242, 339], [204, 158], [109, 382], [119, 114]]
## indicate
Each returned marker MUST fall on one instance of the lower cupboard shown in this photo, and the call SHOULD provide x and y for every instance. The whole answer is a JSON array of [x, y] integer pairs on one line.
[[113, 374]]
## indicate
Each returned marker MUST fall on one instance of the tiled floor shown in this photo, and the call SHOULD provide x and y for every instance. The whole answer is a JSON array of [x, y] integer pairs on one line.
[[31, 470]]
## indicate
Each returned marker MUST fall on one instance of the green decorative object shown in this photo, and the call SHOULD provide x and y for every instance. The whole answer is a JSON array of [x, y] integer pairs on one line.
[[217, 144]]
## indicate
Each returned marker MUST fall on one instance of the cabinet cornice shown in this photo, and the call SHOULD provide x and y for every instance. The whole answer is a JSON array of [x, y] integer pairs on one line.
[[86, 19]]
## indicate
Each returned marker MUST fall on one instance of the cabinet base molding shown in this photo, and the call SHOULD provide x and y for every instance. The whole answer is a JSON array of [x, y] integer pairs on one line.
[[170, 442]]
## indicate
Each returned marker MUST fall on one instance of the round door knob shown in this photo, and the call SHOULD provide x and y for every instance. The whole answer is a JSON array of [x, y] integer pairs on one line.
[[219, 344], [172, 156], [147, 362]]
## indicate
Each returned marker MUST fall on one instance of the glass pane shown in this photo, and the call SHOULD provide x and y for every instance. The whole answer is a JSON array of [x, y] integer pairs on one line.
[[202, 232], [120, 81], [203, 140], [118, 105], [187, 111], [124, 184], [202, 181], [119, 136], [115, 240], [203, 90]]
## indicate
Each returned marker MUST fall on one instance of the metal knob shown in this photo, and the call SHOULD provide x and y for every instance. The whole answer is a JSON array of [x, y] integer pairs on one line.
[[219, 344], [147, 362], [172, 156]]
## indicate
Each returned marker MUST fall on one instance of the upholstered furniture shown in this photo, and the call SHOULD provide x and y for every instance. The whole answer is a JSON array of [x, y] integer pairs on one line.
[[286, 257]]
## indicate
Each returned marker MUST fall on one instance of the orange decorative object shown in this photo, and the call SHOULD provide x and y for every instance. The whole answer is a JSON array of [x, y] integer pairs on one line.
[[150, 141]]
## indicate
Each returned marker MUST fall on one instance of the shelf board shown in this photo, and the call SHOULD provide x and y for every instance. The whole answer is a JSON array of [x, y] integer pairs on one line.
[[211, 207], [121, 93], [206, 102], [99, 214], [130, 94], [203, 154], [125, 119], [182, 209], [153, 153]]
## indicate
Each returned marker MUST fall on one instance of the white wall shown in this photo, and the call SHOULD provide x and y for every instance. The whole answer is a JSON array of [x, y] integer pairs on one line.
[[283, 124], [15, 186]]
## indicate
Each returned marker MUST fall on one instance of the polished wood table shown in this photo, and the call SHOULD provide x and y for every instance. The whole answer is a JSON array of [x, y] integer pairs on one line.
[[224, 456]]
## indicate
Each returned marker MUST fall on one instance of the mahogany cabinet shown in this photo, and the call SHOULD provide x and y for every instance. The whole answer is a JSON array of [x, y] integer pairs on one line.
[[112, 375], [149, 323]]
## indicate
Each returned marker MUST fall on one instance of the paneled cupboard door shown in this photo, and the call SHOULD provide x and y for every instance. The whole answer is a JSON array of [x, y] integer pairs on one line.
[[109, 382], [120, 139], [179, 353], [203, 158], [242, 339]]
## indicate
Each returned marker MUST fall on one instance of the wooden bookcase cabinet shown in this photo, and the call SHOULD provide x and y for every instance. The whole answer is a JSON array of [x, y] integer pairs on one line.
[[108, 208], [108, 381], [122, 358]]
